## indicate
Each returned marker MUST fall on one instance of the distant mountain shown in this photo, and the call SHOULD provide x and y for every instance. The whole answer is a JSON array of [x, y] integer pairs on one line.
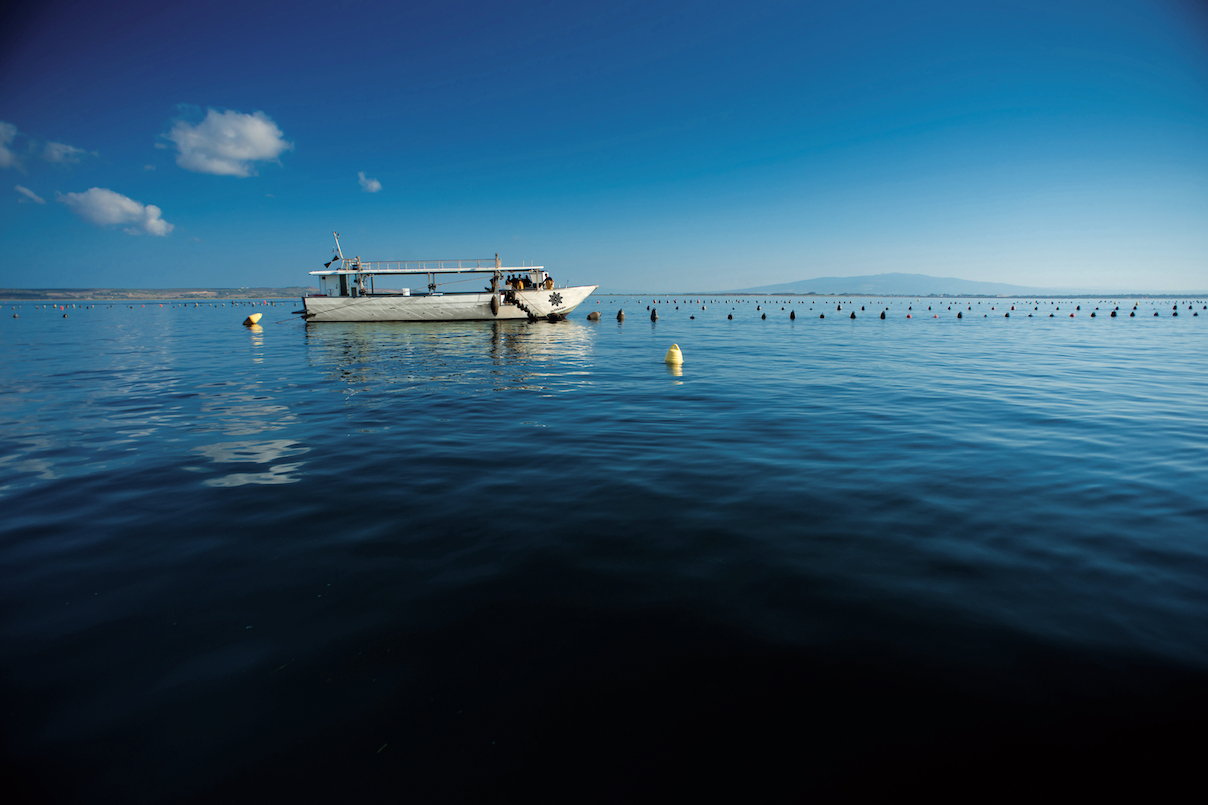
[[900, 285]]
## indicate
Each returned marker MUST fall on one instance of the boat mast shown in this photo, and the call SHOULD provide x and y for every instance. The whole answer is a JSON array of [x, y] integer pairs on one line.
[[336, 235]]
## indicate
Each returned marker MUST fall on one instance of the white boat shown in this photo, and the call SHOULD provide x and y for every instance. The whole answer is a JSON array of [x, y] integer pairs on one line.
[[351, 289]]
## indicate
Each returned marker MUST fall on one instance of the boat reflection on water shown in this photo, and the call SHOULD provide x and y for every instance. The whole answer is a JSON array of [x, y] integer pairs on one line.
[[478, 356]]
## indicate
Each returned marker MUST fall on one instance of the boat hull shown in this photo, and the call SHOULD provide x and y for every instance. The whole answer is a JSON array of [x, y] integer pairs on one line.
[[538, 304]]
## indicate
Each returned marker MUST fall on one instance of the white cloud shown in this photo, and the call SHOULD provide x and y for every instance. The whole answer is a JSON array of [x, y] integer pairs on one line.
[[105, 207], [368, 185], [61, 153], [148, 167], [8, 133], [29, 195], [227, 143]]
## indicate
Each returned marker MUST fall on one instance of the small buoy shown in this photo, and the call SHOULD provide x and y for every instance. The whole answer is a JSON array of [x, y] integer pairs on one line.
[[252, 319], [674, 355], [692, 317], [792, 314], [1006, 315], [1133, 314], [730, 316], [908, 316], [958, 314], [593, 316], [822, 315], [1113, 314], [654, 314], [65, 315], [853, 314], [1092, 314], [882, 314], [764, 317], [621, 315]]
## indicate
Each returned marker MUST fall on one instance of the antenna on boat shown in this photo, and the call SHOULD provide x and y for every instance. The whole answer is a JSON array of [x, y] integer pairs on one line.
[[339, 253]]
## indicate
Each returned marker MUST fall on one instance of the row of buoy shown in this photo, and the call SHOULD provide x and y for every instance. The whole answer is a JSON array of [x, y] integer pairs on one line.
[[675, 355], [654, 315], [969, 305]]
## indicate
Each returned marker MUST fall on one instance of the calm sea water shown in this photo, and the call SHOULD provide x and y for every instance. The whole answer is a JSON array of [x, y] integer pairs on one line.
[[491, 561]]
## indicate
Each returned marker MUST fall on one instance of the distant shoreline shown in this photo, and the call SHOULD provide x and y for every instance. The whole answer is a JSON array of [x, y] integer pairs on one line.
[[203, 294], [128, 294]]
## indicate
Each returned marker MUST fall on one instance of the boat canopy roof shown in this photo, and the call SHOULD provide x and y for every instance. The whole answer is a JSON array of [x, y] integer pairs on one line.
[[354, 266]]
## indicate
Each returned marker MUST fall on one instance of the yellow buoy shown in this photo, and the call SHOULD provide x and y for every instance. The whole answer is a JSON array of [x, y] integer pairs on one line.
[[252, 319], [674, 355]]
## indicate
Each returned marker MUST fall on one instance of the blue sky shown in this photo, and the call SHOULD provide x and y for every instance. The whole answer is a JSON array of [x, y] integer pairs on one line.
[[644, 145]]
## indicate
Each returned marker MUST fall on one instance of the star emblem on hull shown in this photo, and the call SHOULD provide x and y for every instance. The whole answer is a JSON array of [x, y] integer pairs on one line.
[[555, 299]]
